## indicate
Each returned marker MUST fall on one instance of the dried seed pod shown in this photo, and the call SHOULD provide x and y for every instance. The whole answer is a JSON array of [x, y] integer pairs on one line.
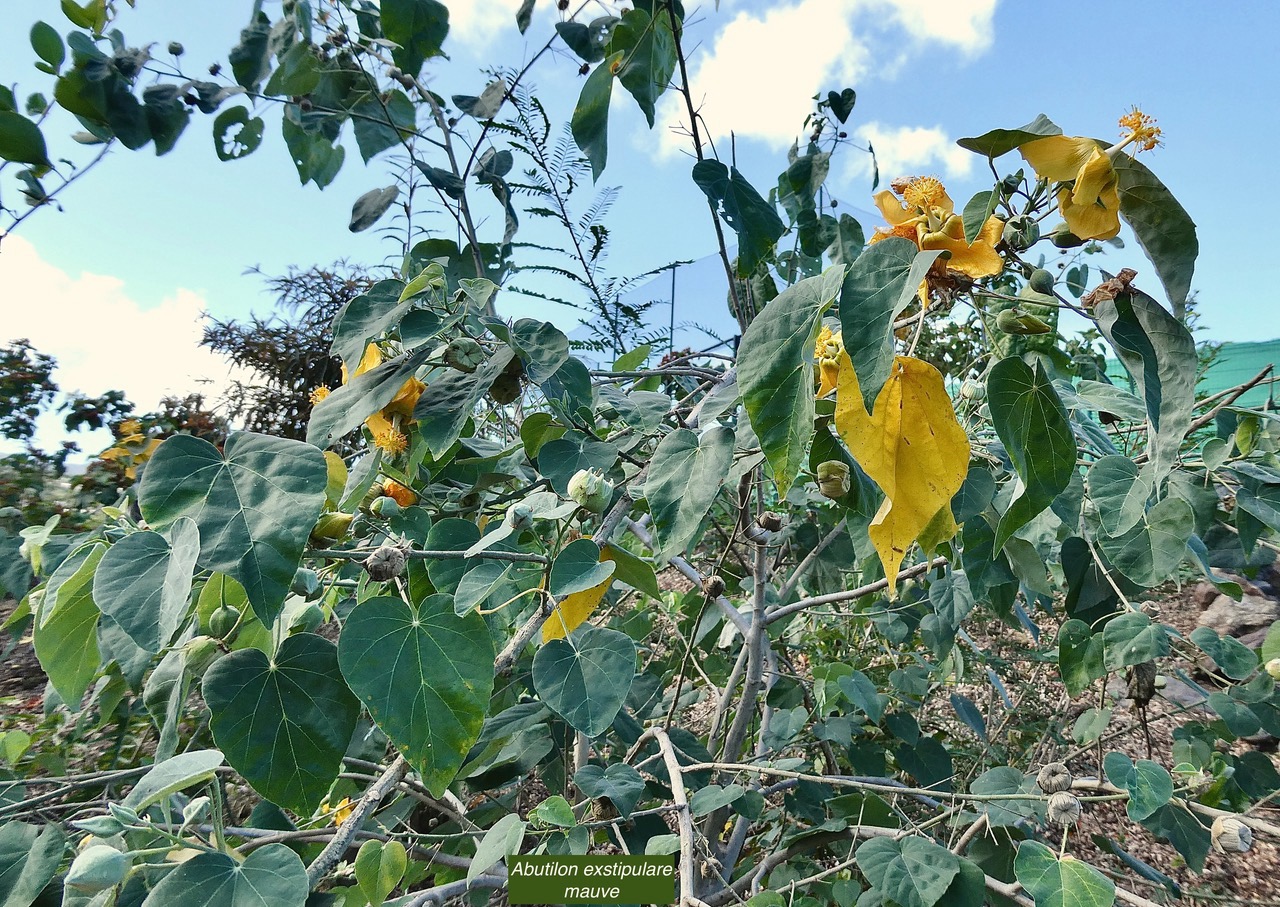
[[1064, 808], [1054, 777], [769, 521], [1230, 835], [1142, 682], [386, 563], [713, 586]]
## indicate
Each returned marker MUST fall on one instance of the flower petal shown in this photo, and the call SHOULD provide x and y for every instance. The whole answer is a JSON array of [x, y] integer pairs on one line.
[[1058, 157], [977, 260], [894, 211]]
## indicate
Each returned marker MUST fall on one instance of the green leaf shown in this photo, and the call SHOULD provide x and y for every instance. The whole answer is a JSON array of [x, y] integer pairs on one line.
[[236, 134], [298, 72], [47, 44], [911, 872], [167, 116], [66, 630], [271, 876], [1150, 551], [251, 59], [21, 140], [880, 284], [1160, 354], [425, 675], [632, 570], [1131, 638], [1119, 490], [1090, 725], [314, 155], [740, 206], [842, 104], [685, 475], [862, 693], [620, 783], [585, 678], [1065, 882], [562, 457], [848, 242], [28, 861], [144, 585], [381, 124], [371, 206], [350, 405], [524, 15], [1148, 784], [577, 568], [1080, 656], [588, 41], [542, 347], [976, 212], [775, 372], [498, 843], [650, 53], [1236, 659], [1032, 422], [172, 775], [1164, 229], [419, 27], [1005, 781], [590, 123], [555, 810], [708, 799], [444, 408], [366, 317], [451, 534], [1184, 831], [254, 504], [379, 868], [284, 723], [1002, 141]]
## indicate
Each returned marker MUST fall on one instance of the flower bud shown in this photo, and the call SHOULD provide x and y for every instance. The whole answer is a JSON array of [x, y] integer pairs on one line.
[[1041, 281], [505, 389], [1230, 835], [306, 582], [713, 586], [1054, 777], [590, 490], [176, 48], [385, 507], [973, 390], [1273, 668], [1063, 238], [1021, 232], [520, 516], [386, 563], [401, 494], [330, 528], [1064, 808], [200, 652], [97, 868], [1013, 321], [464, 354], [223, 620], [833, 479]]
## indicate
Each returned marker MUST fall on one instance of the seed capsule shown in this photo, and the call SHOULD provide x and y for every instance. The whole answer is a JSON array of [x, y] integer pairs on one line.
[[1054, 777], [713, 586], [386, 563], [1230, 835], [1064, 808], [833, 479], [590, 490]]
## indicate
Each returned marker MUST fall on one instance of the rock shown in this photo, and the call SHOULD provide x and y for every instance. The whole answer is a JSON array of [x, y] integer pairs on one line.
[[1255, 638], [1204, 593], [1231, 618]]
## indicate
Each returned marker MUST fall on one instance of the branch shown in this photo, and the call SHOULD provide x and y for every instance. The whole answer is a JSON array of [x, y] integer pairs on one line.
[[336, 847], [878, 586], [684, 818]]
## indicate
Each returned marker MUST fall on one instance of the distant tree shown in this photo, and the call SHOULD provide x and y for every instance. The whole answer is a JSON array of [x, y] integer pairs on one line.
[[288, 350]]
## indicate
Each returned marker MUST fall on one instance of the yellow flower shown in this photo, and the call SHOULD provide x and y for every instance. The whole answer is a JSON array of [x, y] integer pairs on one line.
[[401, 494], [1091, 204], [341, 812], [129, 427], [318, 395], [391, 441], [827, 351], [926, 216], [399, 410]]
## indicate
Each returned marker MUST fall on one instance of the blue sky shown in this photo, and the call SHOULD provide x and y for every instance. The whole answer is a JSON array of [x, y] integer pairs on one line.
[[114, 286]]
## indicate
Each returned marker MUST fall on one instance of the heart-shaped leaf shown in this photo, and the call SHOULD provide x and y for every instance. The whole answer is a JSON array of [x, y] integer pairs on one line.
[[621, 783], [143, 583], [1060, 883], [283, 723], [685, 475], [271, 876], [586, 677], [254, 504], [425, 675], [578, 568], [842, 104]]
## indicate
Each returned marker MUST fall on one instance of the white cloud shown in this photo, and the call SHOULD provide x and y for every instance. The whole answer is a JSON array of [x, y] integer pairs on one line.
[[910, 151], [103, 339], [758, 74], [481, 23]]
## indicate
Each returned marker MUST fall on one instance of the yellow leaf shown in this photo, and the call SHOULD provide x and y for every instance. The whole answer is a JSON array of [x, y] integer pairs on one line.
[[910, 445], [573, 609]]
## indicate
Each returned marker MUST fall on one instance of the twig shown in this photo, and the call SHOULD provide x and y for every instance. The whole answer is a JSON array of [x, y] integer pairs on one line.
[[684, 819], [441, 893], [878, 586]]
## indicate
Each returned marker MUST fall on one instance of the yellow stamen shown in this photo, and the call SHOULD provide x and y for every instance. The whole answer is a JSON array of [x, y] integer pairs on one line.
[[391, 441], [129, 427], [923, 192], [1141, 129], [319, 394]]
